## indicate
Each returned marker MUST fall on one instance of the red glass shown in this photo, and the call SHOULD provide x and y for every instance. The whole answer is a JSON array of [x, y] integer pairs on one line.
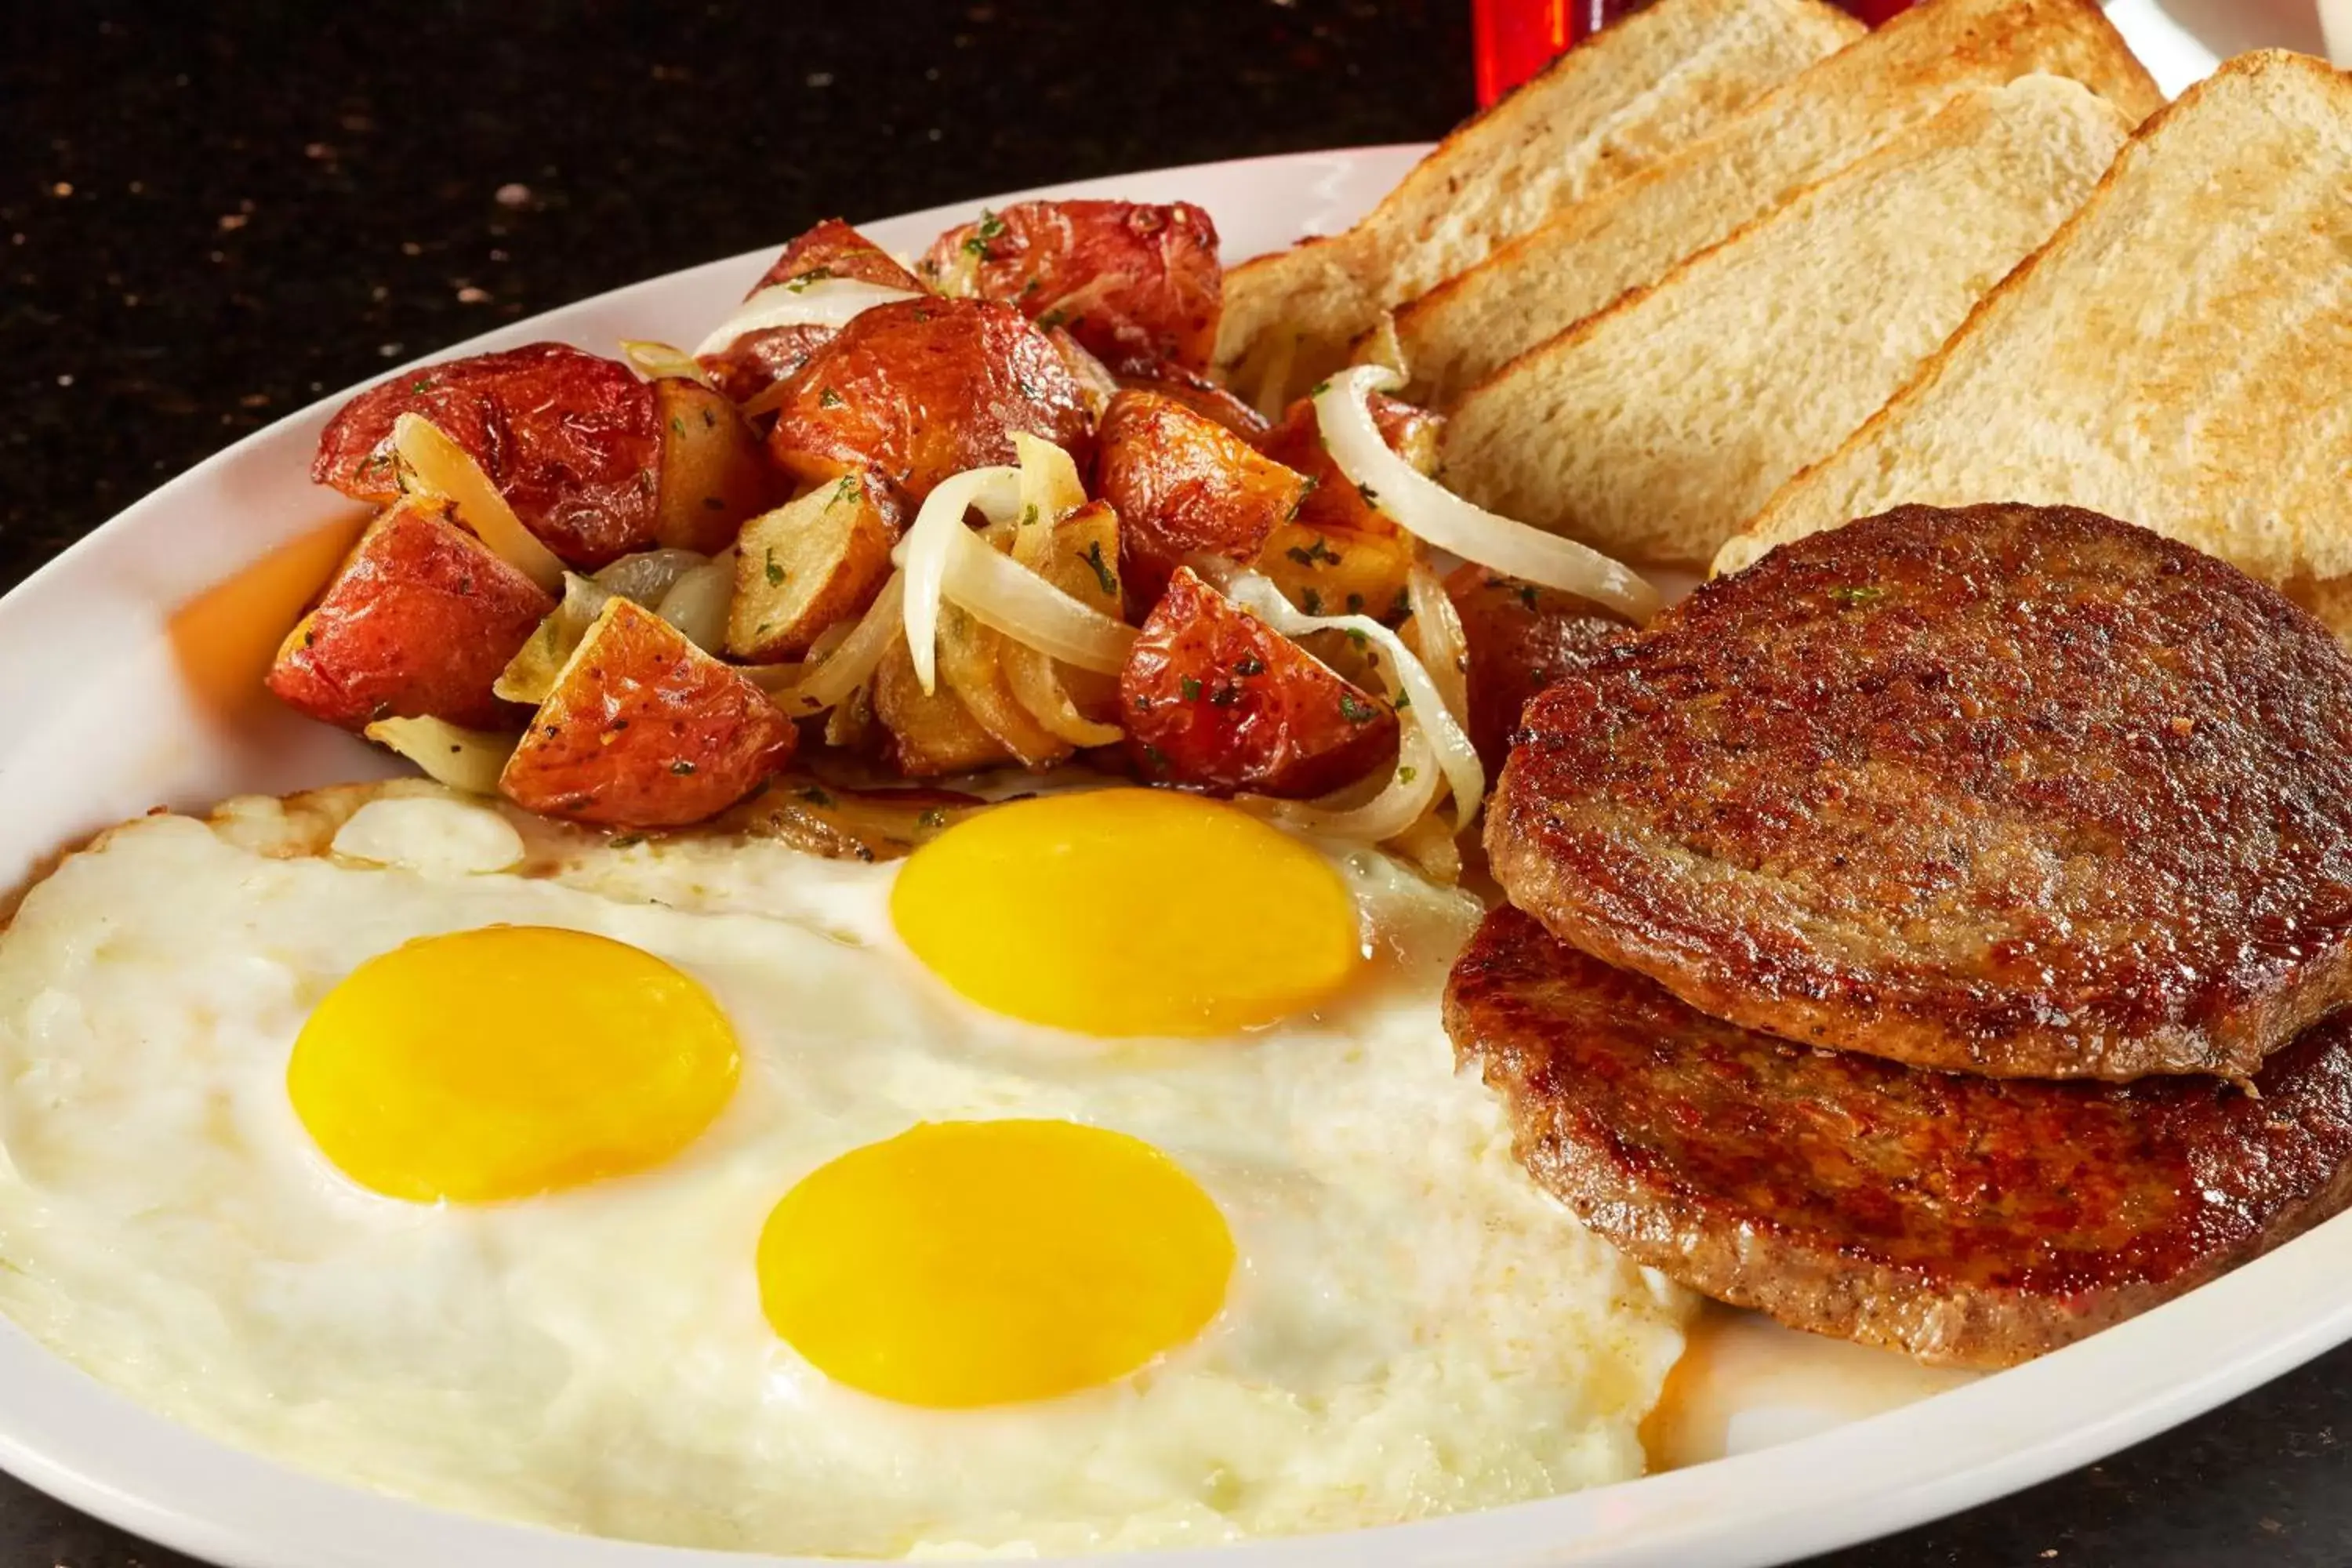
[[1513, 40]]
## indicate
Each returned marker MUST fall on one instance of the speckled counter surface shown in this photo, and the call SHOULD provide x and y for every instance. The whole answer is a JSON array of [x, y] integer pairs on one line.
[[212, 215]]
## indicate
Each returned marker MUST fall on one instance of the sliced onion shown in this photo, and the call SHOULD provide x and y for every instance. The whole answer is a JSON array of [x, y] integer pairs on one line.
[[645, 577], [1429, 510], [1050, 486], [1008, 597], [775, 680], [800, 303], [929, 546], [854, 658], [531, 673], [442, 468], [1381, 346], [1428, 731], [655, 360], [469, 760], [697, 602], [1037, 686], [1445, 647]]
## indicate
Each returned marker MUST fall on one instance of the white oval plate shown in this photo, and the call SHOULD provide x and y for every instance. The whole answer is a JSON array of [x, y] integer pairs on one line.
[[128, 678]]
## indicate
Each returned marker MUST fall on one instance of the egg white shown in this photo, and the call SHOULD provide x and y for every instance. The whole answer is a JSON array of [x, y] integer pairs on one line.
[[1412, 1328]]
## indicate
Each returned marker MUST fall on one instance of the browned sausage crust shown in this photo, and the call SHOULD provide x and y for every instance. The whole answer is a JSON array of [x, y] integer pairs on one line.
[[1965, 1220], [2008, 790]]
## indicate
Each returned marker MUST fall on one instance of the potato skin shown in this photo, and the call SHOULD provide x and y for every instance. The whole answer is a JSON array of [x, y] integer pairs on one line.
[[714, 471], [922, 389], [1521, 638], [416, 623], [1182, 485], [568, 437], [1215, 698], [1131, 281], [645, 730], [1199, 394], [757, 361], [1411, 433]]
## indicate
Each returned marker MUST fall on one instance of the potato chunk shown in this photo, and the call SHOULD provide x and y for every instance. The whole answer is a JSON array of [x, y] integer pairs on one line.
[[928, 734], [1216, 699], [1182, 485], [569, 438], [809, 565], [1521, 638], [645, 730], [923, 389], [1412, 434], [1339, 570], [714, 472], [417, 623], [758, 360], [1130, 280]]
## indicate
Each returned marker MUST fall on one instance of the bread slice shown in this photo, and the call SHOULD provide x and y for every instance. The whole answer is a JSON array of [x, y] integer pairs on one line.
[[1800, 133], [1614, 104], [2179, 355], [1654, 429]]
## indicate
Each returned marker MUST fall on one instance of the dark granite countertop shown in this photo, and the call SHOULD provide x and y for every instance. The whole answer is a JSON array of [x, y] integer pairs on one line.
[[211, 214]]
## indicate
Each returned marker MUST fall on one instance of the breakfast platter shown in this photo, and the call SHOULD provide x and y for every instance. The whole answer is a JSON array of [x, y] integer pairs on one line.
[[997, 889]]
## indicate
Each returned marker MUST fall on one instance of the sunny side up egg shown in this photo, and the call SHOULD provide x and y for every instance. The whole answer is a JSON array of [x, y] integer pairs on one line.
[[1238, 1255]]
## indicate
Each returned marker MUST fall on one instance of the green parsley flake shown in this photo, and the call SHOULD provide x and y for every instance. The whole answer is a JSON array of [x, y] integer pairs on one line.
[[775, 573], [1094, 558]]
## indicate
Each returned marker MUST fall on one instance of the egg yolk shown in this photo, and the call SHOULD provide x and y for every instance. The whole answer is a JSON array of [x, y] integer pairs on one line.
[[499, 1063], [970, 1263], [1128, 911]]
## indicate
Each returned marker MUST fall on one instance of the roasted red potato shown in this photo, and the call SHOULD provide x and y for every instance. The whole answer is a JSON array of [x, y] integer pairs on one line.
[[1412, 434], [928, 734], [922, 389], [757, 361], [810, 565], [1199, 394], [1184, 485], [1520, 638], [1130, 282], [645, 730], [1215, 698], [1339, 570], [569, 438], [417, 623], [714, 471]]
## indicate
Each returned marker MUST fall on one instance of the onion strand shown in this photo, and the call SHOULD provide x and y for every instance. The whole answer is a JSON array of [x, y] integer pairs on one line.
[[800, 303], [1432, 745], [1435, 514]]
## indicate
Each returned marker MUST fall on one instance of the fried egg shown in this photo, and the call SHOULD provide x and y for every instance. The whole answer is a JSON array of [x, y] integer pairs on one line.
[[1096, 1178]]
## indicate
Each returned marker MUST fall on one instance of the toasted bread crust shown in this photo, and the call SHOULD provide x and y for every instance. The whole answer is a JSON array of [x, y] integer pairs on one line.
[[1803, 130], [2107, 370], [1613, 105], [1655, 426], [2015, 790], [1963, 1220]]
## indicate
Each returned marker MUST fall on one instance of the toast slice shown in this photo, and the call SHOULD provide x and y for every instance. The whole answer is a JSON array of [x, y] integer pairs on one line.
[[1612, 105], [2179, 355], [1654, 429], [1799, 133]]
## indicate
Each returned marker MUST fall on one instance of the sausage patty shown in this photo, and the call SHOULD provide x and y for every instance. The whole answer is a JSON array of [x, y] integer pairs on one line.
[[1965, 1220], [2009, 790]]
